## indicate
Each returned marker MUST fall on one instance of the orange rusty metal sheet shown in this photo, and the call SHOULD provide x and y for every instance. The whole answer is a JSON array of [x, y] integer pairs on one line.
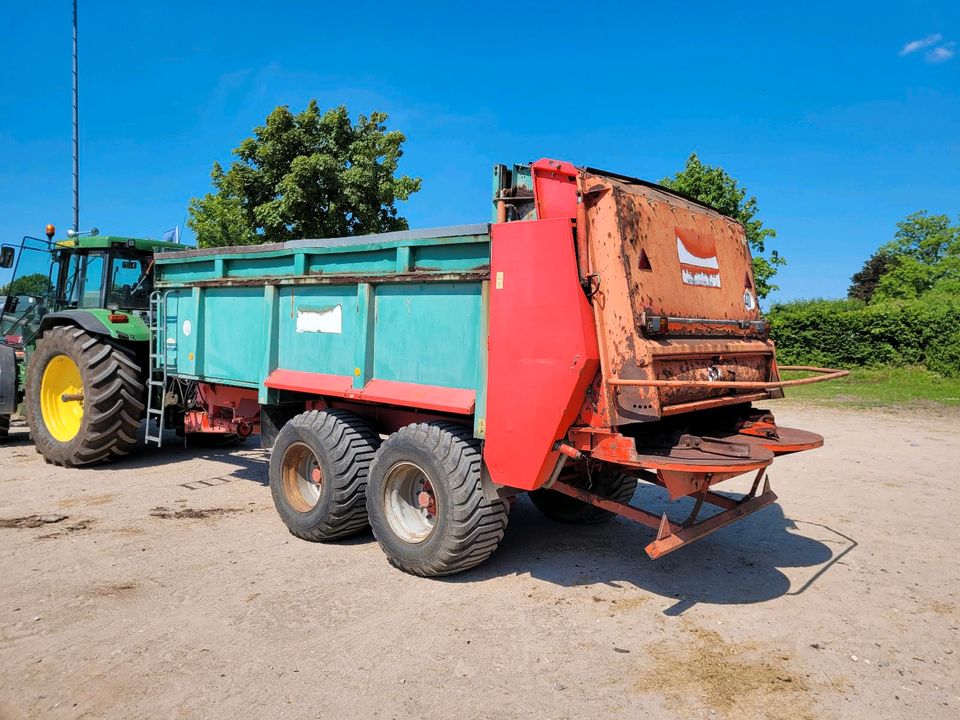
[[673, 295]]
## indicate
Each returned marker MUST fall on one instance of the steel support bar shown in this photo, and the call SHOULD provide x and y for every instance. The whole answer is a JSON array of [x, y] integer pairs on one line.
[[628, 511], [684, 536], [672, 536], [825, 374], [711, 497]]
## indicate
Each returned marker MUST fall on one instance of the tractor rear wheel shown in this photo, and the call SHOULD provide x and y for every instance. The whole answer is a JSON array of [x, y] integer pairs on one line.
[[426, 502], [318, 474], [83, 398], [608, 483]]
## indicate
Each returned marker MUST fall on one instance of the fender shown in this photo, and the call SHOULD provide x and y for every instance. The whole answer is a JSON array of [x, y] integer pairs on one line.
[[97, 322]]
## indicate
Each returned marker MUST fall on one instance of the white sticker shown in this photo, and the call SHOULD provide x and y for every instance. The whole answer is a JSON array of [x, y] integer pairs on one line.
[[320, 320], [187, 328], [749, 301]]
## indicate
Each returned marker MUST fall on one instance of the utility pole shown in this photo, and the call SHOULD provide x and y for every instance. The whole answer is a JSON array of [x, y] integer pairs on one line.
[[76, 129]]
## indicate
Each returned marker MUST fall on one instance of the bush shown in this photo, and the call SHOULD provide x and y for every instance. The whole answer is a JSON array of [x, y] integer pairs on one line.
[[848, 333]]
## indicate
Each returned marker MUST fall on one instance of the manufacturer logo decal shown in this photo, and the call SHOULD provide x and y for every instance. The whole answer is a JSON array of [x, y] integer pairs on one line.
[[698, 258]]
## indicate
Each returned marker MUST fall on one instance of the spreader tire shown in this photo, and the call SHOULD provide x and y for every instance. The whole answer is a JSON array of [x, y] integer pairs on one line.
[[4, 427], [426, 503], [84, 398], [608, 483], [318, 474]]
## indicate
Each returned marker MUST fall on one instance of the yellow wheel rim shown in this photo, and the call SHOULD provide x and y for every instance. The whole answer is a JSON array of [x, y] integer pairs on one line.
[[61, 398]]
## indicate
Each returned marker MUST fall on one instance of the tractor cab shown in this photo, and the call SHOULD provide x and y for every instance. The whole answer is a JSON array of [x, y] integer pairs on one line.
[[40, 277]]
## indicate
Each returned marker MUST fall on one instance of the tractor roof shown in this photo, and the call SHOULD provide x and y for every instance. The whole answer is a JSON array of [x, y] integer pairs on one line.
[[104, 242]]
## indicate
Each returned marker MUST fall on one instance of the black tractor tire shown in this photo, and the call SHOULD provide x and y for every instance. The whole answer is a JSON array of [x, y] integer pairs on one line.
[[113, 392], [607, 482], [460, 528], [4, 427], [332, 504]]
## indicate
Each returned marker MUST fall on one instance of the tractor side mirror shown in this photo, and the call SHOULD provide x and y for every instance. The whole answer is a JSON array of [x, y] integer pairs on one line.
[[11, 303], [7, 254]]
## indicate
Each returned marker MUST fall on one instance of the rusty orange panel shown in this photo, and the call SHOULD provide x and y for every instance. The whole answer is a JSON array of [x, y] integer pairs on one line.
[[673, 295]]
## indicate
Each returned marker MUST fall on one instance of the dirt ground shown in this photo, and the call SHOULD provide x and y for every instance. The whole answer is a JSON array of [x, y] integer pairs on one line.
[[172, 590]]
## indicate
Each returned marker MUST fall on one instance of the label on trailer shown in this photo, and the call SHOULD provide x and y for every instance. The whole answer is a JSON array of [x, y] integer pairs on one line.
[[320, 320], [698, 258]]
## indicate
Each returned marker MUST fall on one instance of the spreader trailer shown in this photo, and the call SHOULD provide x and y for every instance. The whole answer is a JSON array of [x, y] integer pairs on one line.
[[601, 331]]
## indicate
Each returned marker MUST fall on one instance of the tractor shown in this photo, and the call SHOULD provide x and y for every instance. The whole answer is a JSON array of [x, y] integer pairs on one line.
[[75, 342]]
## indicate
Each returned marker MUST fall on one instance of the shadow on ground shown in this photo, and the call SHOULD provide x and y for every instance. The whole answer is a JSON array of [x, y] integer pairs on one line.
[[739, 564], [249, 461]]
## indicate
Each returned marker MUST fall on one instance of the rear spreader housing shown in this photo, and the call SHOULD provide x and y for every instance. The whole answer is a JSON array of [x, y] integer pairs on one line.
[[600, 321]]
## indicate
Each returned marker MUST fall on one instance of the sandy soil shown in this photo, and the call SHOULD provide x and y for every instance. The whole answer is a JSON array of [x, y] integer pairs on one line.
[[172, 590]]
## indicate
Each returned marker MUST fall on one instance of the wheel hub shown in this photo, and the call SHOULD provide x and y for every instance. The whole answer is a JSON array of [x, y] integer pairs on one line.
[[301, 477], [61, 398], [410, 502]]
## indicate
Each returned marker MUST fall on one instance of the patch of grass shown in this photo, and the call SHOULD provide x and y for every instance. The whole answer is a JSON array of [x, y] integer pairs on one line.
[[905, 386]]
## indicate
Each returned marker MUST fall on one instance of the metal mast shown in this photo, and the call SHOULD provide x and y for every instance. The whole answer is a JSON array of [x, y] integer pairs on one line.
[[76, 129]]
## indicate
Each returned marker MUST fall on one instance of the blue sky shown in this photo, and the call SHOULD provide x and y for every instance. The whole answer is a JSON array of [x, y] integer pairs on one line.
[[824, 111]]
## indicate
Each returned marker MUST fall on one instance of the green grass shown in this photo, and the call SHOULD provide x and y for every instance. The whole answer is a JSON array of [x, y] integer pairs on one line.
[[904, 386]]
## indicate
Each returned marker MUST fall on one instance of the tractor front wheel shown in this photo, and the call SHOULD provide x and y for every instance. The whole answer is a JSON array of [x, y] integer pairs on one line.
[[83, 398]]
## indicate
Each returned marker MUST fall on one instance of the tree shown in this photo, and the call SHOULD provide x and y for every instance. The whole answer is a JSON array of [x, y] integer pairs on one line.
[[713, 186], [922, 258], [864, 283], [926, 252], [36, 284], [306, 175]]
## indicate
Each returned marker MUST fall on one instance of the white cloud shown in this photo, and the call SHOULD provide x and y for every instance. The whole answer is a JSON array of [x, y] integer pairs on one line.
[[912, 47], [942, 53]]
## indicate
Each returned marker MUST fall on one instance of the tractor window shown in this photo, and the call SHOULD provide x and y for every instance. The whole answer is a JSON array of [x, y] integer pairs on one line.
[[92, 280], [129, 285]]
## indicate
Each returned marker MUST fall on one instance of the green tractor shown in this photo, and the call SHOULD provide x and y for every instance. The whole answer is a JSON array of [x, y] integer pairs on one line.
[[75, 342]]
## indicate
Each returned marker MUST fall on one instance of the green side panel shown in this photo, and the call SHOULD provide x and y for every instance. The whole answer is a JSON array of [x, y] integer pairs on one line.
[[451, 258], [186, 272], [233, 334], [179, 323], [134, 329], [256, 266], [427, 333], [372, 261], [307, 337]]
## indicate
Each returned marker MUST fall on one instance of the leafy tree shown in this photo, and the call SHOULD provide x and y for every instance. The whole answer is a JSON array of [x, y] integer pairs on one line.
[[306, 175], [713, 186], [864, 283], [923, 257], [36, 284]]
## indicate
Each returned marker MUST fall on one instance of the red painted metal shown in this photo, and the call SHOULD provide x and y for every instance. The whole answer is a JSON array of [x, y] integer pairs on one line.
[[620, 450], [389, 392], [225, 410], [554, 189], [543, 352]]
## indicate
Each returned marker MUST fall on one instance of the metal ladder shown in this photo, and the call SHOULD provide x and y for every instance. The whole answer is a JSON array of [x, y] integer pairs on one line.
[[157, 380]]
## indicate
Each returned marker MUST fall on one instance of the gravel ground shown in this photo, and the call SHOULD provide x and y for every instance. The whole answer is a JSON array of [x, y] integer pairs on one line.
[[170, 589]]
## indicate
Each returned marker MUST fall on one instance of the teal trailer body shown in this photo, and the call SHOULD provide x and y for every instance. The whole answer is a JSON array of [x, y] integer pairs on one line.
[[397, 315]]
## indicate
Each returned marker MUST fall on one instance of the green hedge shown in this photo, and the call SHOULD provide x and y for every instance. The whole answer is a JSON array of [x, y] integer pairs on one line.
[[848, 333]]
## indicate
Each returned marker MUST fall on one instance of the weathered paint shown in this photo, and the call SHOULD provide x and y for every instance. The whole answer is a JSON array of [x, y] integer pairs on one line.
[[543, 349], [408, 311], [427, 397]]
